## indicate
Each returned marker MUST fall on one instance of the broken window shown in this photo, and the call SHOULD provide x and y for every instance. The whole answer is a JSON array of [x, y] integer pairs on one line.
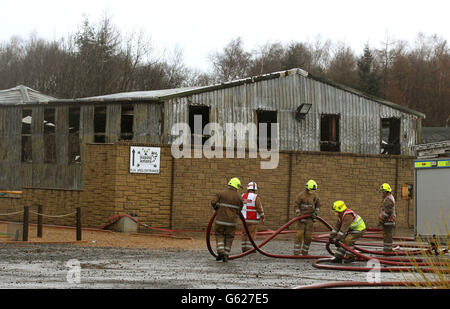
[[126, 122], [329, 133], [265, 131], [49, 136], [74, 152], [100, 124], [390, 136], [26, 153], [198, 119]]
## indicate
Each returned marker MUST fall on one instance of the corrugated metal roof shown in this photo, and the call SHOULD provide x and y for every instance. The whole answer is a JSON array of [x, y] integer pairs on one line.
[[151, 95], [435, 134], [160, 95], [22, 95], [164, 94]]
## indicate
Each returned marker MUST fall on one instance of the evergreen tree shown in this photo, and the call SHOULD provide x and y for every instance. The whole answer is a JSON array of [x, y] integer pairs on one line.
[[369, 80]]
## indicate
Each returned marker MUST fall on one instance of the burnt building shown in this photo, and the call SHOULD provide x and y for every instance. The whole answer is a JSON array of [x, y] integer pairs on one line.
[[42, 138]]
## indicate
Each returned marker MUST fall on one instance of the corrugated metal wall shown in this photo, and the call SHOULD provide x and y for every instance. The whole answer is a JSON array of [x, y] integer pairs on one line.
[[16, 174], [360, 125], [360, 118]]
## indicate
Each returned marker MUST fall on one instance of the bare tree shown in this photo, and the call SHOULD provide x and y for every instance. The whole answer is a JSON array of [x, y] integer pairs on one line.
[[233, 63], [11, 55], [297, 55], [97, 59], [342, 67], [267, 58]]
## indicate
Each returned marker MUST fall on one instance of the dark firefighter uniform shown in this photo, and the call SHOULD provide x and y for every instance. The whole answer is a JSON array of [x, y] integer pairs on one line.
[[307, 202], [228, 204]]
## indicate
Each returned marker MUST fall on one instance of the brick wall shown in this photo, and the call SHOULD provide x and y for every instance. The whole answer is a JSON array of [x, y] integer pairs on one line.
[[352, 178], [109, 188]]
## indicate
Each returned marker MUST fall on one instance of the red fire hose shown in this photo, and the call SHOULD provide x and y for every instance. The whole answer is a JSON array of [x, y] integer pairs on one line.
[[258, 248], [346, 284], [395, 264]]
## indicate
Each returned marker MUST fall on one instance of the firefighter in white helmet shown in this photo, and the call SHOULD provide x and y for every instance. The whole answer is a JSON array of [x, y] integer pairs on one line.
[[307, 202], [227, 204], [387, 216], [252, 212], [349, 228]]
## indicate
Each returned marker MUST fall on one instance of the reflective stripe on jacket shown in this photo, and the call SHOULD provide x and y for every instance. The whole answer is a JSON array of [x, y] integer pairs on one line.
[[228, 204], [357, 223]]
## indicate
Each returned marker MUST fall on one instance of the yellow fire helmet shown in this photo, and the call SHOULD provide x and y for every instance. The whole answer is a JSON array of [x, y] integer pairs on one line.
[[339, 206], [235, 183], [311, 185], [385, 188]]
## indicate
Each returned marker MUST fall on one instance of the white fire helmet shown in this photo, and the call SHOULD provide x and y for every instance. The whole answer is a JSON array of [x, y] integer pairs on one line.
[[252, 186]]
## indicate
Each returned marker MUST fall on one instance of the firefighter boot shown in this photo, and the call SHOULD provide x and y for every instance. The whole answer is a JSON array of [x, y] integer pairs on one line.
[[336, 260], [305, 249], [225, 258], [350, 259], [219, 256]]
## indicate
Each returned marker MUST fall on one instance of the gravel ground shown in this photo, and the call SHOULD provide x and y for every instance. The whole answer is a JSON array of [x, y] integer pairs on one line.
[[108, 260]]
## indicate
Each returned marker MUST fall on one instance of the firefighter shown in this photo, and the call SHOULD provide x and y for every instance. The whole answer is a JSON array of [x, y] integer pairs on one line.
[[349, 228], [252, 212], [228, 204], [387, 216], [307, 202]]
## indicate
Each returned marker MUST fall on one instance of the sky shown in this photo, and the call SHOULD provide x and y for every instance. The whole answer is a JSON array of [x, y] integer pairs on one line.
[[202, 27]]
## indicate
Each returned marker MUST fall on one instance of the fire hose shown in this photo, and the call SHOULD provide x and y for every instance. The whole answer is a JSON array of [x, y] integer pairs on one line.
[[258, 248], [395, 264]]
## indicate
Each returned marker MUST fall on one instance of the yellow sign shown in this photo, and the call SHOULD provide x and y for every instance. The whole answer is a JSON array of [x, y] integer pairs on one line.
[[422, 164], [428, 164], [443, 163]]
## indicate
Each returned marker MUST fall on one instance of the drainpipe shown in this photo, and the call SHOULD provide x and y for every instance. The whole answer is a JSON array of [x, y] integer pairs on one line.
[[396, 177], [172, 174], [289, 188]]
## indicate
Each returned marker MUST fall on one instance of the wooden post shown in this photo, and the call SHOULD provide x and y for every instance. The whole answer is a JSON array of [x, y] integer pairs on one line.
[[78, 223], [39, 222], [25, 223]]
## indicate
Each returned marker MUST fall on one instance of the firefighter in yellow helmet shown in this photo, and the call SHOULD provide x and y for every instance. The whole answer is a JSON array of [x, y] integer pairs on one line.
[[228, 204], [387, 216], [349, 228], [307, 202]]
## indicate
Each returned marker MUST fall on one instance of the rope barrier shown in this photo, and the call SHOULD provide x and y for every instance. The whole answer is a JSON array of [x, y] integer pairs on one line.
[[53, 216], [26, 211], [13, 213], [39, 214]]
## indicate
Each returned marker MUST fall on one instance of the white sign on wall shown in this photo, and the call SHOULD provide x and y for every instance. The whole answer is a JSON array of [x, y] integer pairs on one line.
[[145, 160]]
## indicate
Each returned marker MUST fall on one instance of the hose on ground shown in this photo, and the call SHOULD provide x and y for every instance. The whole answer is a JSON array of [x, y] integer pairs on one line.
[[395, 264], [258, 247], [347, 284]]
